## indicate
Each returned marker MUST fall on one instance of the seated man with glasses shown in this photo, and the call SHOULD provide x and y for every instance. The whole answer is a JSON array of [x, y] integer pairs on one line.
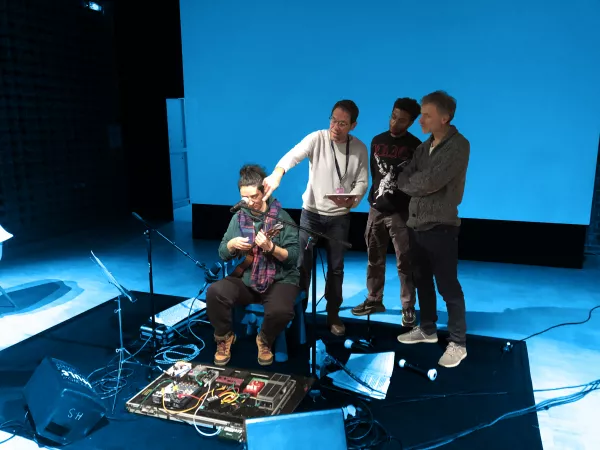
[[267, 273], [339, 165]]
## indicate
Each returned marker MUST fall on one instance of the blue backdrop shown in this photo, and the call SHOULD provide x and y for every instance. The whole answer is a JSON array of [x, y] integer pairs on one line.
[[259, 76]]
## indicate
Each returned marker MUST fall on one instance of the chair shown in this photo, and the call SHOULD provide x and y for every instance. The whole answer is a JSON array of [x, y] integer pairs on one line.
[[253, 316], [5, 236]]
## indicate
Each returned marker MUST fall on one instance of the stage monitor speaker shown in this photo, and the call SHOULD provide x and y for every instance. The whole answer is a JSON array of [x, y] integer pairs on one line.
[[62, 403], [300, 431]]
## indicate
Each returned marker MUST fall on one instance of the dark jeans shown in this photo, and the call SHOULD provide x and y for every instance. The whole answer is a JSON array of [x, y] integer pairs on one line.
[[278, 302], [380, 228], [435, 254], [336, 227]]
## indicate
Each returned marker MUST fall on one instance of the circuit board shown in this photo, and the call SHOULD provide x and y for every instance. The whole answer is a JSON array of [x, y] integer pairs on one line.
[[219, 398]]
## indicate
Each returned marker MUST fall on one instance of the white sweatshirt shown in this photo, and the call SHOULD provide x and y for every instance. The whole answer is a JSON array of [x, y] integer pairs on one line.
[[322, 174]]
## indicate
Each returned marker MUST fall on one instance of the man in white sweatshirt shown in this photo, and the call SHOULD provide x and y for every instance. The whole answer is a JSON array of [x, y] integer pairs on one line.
[[338, 164]]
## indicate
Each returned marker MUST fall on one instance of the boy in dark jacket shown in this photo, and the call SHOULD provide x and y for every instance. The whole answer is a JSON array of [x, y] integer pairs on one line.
[[391, 151]]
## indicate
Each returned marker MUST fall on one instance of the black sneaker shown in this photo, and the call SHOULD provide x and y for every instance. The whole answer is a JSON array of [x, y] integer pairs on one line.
[[409, 317], [368, 307]]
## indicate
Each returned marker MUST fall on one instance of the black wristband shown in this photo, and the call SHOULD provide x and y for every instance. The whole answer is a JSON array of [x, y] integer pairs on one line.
[[270, 252]]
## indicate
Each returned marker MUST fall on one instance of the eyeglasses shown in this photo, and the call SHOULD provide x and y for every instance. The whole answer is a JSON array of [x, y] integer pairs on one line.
[[341, 123], [253, 198]]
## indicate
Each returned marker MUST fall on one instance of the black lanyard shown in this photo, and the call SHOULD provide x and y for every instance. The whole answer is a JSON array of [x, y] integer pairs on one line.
[[337, 167]]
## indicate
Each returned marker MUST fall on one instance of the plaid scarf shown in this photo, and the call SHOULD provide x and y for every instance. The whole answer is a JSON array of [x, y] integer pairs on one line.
[[263, 268]]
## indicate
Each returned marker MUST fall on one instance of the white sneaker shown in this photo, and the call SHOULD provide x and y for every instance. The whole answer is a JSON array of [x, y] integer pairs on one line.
[[416, 336], [453, 355]]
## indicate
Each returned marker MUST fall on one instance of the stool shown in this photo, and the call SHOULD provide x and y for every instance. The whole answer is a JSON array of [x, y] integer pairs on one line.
[[253, 319]]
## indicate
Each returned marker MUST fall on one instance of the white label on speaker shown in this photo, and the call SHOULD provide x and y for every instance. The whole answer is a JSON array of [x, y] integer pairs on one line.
[[75, 377], [74, 414]]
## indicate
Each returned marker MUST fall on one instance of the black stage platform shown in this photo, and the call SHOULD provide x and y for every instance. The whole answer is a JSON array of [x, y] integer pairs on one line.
[[485, 386]]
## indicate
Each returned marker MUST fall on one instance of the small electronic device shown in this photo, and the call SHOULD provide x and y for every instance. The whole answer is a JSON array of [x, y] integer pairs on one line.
[[175, 320], [341, 196]]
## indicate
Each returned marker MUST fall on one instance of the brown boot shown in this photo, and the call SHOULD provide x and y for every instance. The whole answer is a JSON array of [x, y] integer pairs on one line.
[[224, 343], [336, 326], [265, 356]]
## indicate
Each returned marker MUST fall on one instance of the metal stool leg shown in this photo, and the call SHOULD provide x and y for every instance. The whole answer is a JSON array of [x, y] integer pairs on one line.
[[5, 294]]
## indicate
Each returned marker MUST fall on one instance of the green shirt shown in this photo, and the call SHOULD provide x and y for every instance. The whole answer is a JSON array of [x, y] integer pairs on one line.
[[287, 270]]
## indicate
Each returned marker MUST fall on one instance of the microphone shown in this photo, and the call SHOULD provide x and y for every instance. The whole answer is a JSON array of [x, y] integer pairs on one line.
[[141, 219], [214, 270], [210, 276], [239, 205], [357, 345], [431, 374]]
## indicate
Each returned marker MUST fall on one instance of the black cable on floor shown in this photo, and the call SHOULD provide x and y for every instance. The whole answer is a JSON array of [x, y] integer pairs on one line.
[[561, 325], [21, 429], [11, 425], [425, 397], [542, 406], [365, 432]]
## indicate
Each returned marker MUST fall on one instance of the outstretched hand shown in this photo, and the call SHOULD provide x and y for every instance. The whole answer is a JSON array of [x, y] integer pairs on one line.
[[271, 183]]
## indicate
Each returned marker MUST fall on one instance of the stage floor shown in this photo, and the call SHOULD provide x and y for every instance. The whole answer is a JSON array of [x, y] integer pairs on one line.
[[484, 387], [55, 280]]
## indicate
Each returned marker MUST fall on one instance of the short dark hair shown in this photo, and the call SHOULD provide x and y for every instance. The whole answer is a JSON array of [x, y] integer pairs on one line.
[[445, 103], [410, 105], [349, 106], [252, 175]]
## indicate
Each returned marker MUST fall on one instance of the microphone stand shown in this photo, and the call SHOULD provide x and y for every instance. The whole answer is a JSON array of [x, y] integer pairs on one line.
[[313, 235], [148, 234]]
